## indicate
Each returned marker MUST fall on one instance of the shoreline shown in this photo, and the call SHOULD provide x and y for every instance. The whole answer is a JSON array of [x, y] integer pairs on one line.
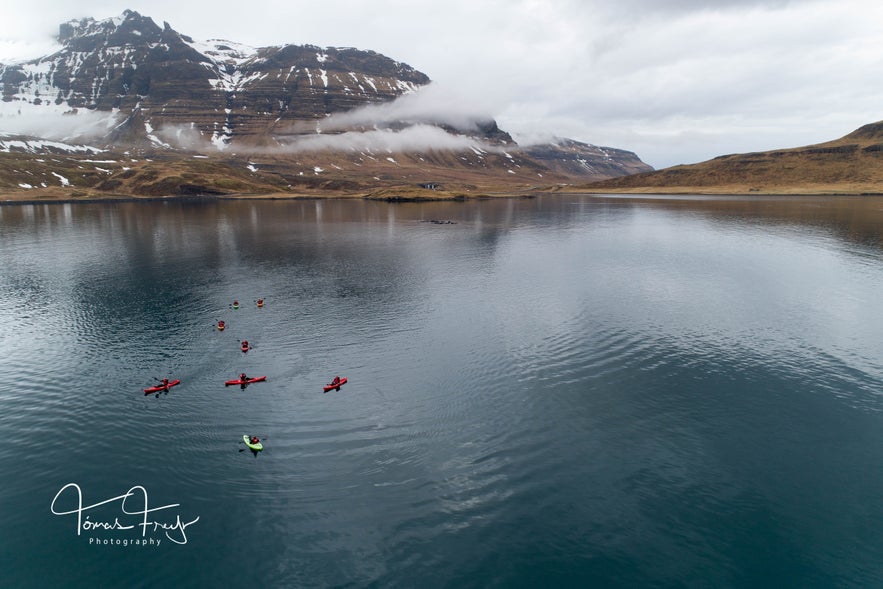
[[21, 198], [28, 199]]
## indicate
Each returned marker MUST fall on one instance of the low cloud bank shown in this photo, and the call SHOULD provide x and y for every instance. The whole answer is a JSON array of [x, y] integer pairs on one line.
[[187, 137], [432, 104], [55, 122], [429, 118], [414, 138]]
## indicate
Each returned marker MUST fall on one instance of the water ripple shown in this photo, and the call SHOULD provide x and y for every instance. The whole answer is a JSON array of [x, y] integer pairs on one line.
[[536, 395]]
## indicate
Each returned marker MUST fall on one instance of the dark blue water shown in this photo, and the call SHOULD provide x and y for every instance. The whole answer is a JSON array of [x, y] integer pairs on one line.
[[560, 391]]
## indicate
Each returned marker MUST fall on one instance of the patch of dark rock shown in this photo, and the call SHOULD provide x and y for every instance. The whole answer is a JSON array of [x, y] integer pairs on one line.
[[197, 190]]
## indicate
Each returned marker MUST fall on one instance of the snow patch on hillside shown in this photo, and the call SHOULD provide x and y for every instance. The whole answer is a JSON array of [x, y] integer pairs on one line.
[[11, 144], [226, 59], [148, 129], [64, 181], [222, 52]]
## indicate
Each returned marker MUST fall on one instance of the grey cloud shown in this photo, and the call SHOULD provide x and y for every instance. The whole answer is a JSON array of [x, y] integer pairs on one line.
[[431, 104], [51, 123], [413, 139]]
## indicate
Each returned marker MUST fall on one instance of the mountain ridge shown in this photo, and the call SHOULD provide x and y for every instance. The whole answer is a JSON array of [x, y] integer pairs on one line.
[[218, 89], [141, 94], [138, 92]]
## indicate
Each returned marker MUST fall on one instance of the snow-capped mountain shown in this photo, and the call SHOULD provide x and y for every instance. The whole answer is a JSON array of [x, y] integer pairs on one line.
[[302, 117], [164, 87]]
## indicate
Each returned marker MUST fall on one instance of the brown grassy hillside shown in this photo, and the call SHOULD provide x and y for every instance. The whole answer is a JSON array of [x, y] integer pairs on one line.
[[850, 165], [161, 173]]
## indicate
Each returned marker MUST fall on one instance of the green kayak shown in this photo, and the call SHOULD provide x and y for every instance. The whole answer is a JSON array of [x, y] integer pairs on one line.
[[256, 447]]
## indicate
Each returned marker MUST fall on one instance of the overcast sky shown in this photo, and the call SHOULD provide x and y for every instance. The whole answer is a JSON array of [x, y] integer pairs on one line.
[[676, 81]]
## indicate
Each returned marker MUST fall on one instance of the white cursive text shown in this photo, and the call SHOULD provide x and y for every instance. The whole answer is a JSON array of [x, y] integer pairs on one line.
[[132, 503]]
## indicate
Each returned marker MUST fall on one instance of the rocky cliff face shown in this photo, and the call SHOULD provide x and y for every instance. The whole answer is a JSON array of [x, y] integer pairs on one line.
[[575, 159]]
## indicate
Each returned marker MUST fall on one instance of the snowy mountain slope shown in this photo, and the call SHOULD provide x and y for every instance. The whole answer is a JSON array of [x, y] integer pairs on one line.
[[311, 118]]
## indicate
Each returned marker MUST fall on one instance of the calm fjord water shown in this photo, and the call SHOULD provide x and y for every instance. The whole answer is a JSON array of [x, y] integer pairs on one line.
[[560, 391]]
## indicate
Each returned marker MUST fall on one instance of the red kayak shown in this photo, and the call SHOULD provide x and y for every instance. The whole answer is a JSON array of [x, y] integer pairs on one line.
[[334, 385], [162, 387], [249, 381]]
